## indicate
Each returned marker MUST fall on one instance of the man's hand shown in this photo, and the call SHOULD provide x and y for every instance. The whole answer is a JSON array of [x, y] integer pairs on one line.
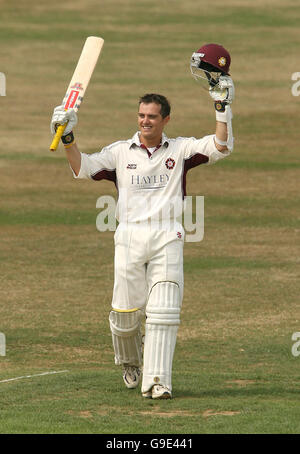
[[60, 117], [223, 91]]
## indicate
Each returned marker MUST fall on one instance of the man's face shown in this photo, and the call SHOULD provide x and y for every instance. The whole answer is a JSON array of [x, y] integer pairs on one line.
[[151, 124]]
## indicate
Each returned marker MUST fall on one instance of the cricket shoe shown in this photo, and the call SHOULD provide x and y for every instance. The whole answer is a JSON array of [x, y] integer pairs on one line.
[[158, 392], [131, 376]]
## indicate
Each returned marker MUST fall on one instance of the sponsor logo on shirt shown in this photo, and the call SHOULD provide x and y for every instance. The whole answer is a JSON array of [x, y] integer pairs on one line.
[[150, 181], [131, 166]]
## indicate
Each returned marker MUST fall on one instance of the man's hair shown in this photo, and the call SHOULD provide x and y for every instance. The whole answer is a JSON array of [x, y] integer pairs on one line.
[[165, 107]]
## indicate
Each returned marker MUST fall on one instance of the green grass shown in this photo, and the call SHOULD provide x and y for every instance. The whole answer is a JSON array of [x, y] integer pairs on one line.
[[233, 368]]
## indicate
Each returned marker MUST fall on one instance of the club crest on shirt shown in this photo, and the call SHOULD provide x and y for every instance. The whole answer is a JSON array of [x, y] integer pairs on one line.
[[170, 163]]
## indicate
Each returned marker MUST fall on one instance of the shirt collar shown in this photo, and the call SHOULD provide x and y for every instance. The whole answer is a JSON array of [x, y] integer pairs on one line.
[[136, 140]]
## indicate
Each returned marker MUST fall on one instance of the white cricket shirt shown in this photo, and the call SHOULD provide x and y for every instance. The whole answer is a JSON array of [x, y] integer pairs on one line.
[[150, 186]]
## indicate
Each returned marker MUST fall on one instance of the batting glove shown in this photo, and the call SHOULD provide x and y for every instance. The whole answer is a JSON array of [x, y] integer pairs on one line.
[[223, 91], [60, 117]]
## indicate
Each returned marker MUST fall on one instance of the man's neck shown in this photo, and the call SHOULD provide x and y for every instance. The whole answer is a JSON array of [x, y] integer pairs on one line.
[[150, 143]]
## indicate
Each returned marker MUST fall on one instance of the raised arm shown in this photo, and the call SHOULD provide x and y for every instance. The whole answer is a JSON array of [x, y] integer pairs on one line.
[[74, 157], [223, 95], [211, 64]]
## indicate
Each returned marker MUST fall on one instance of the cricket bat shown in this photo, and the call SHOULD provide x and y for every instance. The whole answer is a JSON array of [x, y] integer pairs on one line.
[[80, 80]]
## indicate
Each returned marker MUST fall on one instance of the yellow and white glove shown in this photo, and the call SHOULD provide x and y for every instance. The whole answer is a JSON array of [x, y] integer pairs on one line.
[[60, 117], [223, 91]]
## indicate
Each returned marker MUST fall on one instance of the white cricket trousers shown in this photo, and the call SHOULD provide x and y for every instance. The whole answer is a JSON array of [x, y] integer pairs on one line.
[[143, 257], [150, 262]]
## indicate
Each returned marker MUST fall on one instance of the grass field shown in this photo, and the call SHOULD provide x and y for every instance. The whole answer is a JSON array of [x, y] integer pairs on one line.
[[234, 371]]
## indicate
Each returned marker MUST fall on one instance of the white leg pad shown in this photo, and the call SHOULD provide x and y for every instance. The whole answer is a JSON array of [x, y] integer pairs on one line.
[[163, 318], [126, 336]]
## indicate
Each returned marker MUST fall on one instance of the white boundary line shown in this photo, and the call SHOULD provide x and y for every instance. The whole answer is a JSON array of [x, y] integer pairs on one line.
[[34, 375]]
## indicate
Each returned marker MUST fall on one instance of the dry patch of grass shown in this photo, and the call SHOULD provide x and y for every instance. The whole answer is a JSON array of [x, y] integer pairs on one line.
[[155, 412], [241, 383], [167, 414], [208, 413], [85, 414]]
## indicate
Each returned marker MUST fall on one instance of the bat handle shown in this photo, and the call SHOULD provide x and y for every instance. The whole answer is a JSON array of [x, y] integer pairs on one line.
[[57, 137]]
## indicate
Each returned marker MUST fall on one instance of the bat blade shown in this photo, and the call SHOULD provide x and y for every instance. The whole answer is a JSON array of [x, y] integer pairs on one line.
[[80, 80]]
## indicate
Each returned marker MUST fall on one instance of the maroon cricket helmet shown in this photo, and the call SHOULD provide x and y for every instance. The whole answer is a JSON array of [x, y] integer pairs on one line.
[[216, 56]]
